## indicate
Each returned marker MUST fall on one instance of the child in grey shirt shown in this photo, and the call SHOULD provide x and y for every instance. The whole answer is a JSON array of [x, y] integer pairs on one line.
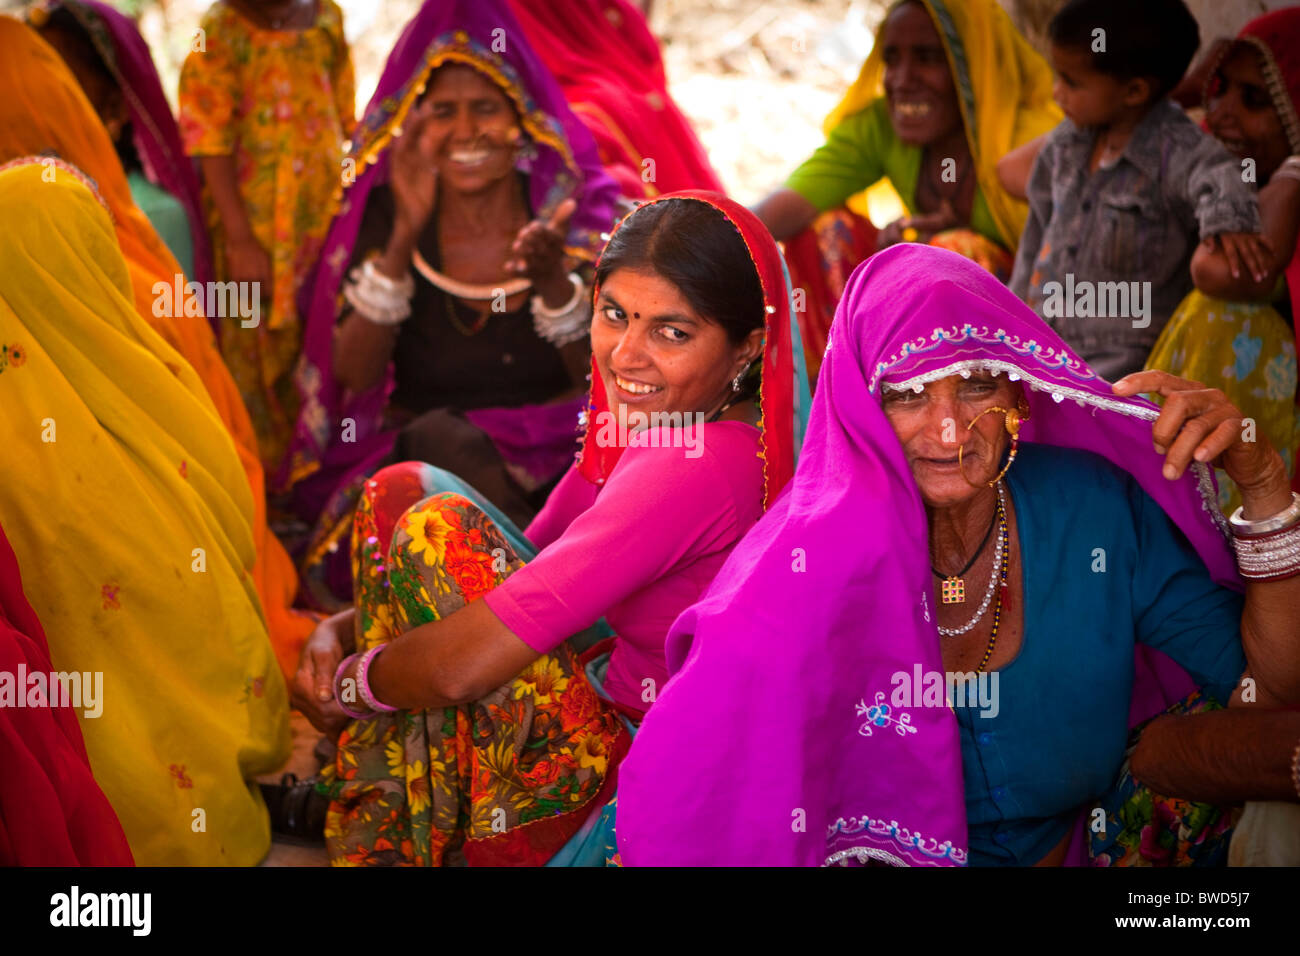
[[1126, 186]]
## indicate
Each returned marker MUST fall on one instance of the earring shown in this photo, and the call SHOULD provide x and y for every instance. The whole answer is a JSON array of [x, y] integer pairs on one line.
[[525, 155], [1012, 424], [738, 381]]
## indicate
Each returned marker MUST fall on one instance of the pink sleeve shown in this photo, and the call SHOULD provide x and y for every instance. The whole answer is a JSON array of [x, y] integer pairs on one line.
[[571, 496], [658, 510]]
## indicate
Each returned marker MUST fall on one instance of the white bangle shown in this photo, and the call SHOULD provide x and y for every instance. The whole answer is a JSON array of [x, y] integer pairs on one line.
[[540, 308], [378, 298], [1268, 549], [568, 323], [1283, 519]]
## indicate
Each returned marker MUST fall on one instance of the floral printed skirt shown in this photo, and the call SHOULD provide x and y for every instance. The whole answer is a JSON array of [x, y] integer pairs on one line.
[[1144, 828], [505, 780]]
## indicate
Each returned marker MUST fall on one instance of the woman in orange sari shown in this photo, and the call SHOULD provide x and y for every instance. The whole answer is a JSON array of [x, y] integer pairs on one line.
[[45, 112]]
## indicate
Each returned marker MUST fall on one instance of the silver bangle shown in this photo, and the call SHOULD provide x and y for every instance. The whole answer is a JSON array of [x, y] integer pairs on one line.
[[1283, 519], [378, 298], [570, 322], [540, 308]]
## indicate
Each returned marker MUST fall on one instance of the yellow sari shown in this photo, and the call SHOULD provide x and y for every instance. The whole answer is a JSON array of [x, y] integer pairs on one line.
[[131, 518], [1004, 89], [1247, 351], [43, 110]]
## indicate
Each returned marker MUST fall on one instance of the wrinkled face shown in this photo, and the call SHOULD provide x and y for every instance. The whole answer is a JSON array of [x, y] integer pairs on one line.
[[1086, 97], [472, 128], [918, 84], [655, 353], [1241, 114], [931, 425]]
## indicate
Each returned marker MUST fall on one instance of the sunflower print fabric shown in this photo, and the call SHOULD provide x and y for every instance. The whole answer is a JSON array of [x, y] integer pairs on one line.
[[506, 780]]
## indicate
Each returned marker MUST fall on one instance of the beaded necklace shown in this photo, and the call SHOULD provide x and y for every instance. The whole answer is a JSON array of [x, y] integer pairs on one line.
[[1004, 540], [1001, 557]]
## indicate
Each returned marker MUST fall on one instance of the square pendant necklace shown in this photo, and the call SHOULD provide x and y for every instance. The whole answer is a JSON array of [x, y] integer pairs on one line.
[[953, 588]]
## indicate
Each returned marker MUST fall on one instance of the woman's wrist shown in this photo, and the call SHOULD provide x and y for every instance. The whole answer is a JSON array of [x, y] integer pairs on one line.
[[344, 626], [352, 685], [364, 689], [345, 688], [554, 289], [395, 260], [1268, 495]]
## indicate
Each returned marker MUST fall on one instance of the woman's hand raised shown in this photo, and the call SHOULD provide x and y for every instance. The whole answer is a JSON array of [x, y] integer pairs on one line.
[[538, 252], [413, 172], [1200, 424], [926, 225]]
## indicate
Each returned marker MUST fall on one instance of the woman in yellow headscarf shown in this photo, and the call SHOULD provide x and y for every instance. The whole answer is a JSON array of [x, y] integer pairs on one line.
[[44, 111], [948, 89], [128, 510]]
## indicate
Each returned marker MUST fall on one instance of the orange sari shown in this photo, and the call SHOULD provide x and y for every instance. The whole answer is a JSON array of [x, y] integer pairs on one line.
[[43, 110]]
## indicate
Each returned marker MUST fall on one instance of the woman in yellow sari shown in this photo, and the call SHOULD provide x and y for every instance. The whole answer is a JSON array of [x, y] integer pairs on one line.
[[44, 111], [127, 508], [948, 89]]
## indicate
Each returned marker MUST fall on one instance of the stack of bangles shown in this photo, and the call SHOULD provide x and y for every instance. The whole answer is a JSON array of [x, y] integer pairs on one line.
[[569, 322], [378, 298], [362, 686], [1268, 549]]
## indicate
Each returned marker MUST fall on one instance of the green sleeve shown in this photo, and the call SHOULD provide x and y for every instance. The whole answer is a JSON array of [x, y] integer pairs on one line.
[[859, 151], [168, 217], [982, 221]]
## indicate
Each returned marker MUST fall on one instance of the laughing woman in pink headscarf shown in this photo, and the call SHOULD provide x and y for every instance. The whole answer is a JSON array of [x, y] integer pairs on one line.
[[1018, 539]]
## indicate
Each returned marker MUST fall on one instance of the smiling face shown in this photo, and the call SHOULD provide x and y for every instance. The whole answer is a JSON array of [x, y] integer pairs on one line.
[[931, 425], [472, 128], [918, 84], [655, 353], [1241, 114]]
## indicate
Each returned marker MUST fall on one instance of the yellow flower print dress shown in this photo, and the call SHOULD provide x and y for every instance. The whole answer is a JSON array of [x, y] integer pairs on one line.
[[282, 102]]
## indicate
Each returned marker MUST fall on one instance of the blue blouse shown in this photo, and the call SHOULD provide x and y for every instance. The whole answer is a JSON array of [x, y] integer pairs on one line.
[[1058, 737]]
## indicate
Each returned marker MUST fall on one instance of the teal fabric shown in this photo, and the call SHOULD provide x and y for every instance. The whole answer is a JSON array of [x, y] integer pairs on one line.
[[166, 214], [802, 390], [1057, 740]]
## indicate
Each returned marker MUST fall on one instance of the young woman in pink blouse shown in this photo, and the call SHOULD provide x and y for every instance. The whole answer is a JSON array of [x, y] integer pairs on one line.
[[473, 730]]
